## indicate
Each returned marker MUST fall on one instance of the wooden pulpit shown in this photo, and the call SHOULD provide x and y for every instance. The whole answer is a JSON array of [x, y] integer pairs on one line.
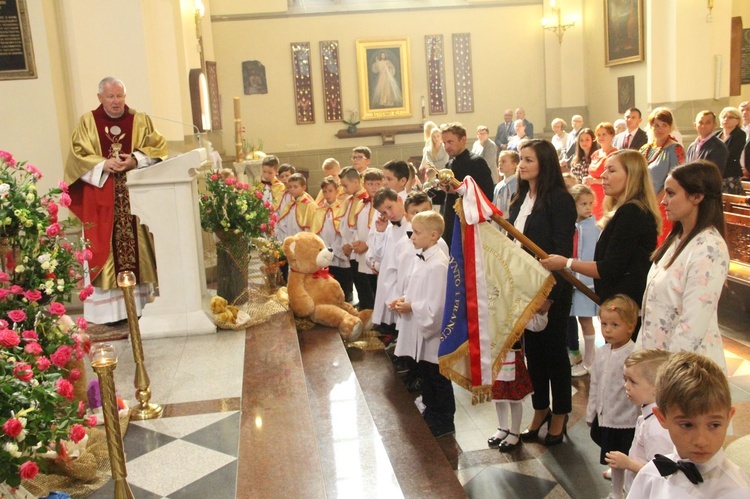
[[165, 197]]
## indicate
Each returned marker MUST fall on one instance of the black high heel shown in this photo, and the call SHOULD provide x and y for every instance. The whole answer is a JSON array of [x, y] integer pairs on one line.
[[528, 435], [551, 439]]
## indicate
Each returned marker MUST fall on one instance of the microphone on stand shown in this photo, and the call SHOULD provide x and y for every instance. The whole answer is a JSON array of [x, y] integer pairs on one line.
[[197, 130]]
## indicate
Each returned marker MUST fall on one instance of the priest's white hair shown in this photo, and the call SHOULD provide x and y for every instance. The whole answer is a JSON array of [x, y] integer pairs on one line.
[[111, 80]]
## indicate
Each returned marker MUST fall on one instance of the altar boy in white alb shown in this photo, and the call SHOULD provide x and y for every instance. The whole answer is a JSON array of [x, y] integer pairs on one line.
[[422, 310], [695, 406]]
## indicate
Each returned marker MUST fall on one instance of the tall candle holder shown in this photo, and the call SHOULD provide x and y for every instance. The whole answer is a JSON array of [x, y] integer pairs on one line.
[[144, 410], [104, 362]]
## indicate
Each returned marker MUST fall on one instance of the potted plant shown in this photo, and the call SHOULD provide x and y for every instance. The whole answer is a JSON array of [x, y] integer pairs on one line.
[[352, 122]]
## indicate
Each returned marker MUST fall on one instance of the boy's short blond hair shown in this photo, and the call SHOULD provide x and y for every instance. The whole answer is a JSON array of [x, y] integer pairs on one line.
[[430, 220], [513, 155], [692, 383], [331, 164], [579, 190], [648, 362], [299, 178]]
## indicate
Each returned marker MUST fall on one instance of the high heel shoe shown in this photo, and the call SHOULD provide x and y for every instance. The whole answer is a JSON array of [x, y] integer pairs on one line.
[[494, 441], [551, 439], [528, 434]]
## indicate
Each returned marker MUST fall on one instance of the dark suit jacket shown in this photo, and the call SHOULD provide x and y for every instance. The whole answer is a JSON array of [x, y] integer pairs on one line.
[[713, 150], [623, 253], [463, 165], [735, 143], [639, 139], [503, 134], [552, 228]]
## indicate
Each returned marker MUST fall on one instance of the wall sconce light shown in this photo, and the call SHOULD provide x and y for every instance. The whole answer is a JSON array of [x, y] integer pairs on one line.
[[556, 25]]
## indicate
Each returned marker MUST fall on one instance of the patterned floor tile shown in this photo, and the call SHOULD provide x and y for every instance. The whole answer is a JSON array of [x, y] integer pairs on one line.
[[222, 436], [139, 441], [221, 484], [497, 482], [180, 426], [158, 472], [108, 492]]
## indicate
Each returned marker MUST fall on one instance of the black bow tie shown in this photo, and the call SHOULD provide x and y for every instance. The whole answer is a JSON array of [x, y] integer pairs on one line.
[[421, 256], [666, 467], [265, 182], [397, 224], [409, 233]]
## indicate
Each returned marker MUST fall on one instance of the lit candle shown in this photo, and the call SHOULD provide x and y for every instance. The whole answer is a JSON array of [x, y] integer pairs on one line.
[[102, 354]]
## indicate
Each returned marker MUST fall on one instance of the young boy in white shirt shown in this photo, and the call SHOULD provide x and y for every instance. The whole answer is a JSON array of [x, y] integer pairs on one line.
[[382, 257], [695, 406], [355, 227], [422, 307], [650, 438], [285, 171], [332, 168], [326, 222], [295, 216], [396, 177], [272, 188]]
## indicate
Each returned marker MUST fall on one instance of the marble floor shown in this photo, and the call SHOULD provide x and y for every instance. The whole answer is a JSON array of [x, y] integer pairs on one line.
[[232, 425]]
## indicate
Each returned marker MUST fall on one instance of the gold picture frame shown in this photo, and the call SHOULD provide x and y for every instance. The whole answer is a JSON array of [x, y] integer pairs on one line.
[[623, 31], [384, 73], [17, 51]]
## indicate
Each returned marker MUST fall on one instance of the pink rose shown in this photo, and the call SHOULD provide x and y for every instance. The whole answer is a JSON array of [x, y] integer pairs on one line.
[[33, 295], [29, 470], [214, 177], [64, 388], [75, 375], [267, 205], [33, 170], [63, 186], [258, 194], [263, 227], [17, 315], [30, 335], [4, 293], [82, 324], [81, 409], [53, 219], [43, 363], [9, 338], [61, 356], [231, 181], [91, 421], [4, 277], [77, 432], [87, 255], [12, 427], [86, 292], [273, 223], [56, 308], [16, 289], [65, 199], [23, 372], [54, 229], [8, 158], [33, 348], [52, 208], [79, 257]]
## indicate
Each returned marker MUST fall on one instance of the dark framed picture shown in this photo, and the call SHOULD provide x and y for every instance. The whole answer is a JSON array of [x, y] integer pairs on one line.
[[623, 31], [384, 76], [625, 93], [254, 78], [16, 50]]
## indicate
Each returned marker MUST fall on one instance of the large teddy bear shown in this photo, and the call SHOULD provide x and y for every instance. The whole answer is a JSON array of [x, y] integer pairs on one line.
[[313, 293]]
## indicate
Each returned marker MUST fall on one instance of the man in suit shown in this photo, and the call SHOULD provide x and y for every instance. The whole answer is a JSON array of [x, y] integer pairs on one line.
[[570, 146], [633, 137], [463, 164], [521, 115], [745, 158], [707, 145], [487, 149], [504, 131]]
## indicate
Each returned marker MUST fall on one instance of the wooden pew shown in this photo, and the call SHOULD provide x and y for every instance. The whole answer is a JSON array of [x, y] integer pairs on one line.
[[738, 242], [746, 186], [734, 203]]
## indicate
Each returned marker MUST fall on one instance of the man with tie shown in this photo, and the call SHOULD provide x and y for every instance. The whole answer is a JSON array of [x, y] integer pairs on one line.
[[463, 164], [633, 137], [707, 145], [570, 145], [504, 130]]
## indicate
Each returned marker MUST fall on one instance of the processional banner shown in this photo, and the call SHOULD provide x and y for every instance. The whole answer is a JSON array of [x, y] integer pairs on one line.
[[494, 289]]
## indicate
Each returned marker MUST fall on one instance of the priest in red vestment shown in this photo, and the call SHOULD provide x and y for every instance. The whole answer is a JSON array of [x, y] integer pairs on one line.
[[107, 143]]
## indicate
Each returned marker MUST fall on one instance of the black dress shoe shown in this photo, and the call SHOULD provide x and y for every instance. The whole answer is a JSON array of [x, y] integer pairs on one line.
[[507, 447], [551, 439], [493, 442], [528, 435]]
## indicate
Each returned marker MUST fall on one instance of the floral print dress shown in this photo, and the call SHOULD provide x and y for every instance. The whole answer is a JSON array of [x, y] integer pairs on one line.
[[680, 302]]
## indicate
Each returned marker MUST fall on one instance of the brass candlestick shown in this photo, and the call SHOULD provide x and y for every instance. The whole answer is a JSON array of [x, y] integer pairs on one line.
[[144, 410], [104, 362]]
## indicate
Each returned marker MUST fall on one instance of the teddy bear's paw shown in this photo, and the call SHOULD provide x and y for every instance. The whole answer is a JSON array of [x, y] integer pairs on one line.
[[356, 332], [366, 317]]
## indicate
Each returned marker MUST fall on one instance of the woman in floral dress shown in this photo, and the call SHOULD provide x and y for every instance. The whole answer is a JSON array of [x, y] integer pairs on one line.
[[689, 269]]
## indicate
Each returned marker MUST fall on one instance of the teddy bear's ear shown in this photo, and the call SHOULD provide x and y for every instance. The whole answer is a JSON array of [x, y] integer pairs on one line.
[[289, 245]]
